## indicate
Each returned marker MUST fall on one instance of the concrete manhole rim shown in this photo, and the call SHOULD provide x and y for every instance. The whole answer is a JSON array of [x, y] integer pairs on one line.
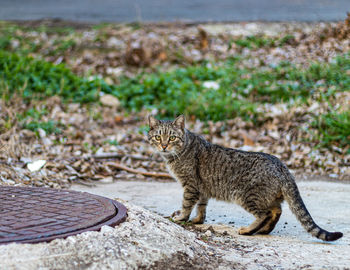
[[113, 213]]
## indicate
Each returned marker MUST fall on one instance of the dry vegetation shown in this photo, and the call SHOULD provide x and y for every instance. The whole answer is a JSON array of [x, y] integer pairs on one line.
[[104, 139]]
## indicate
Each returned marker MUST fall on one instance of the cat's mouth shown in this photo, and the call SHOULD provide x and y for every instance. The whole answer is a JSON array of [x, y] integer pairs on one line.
[[165, 151]]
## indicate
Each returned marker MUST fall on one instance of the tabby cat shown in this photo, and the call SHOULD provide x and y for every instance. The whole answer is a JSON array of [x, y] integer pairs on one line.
[[258, 182]]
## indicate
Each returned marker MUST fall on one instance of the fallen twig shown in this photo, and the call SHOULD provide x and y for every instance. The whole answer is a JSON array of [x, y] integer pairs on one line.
[[345, 164], [152, 174], [110, 156], [84, 183], [115, 155]]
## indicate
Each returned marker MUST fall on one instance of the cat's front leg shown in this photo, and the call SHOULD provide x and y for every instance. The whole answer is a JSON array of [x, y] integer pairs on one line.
[[201, 210], [190, 198]]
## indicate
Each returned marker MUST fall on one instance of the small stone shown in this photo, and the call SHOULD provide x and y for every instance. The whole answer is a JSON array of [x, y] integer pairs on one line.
[[25, 159], [115, 71], [106, 180], [211, 85], [77, 153], [110, 101], [73, 107], [108, 80], [334, 175], [42, 133], [114, 42], [46, 141], [100, 151], [247, 148], [106, 229], [8, 181], [208, 233]]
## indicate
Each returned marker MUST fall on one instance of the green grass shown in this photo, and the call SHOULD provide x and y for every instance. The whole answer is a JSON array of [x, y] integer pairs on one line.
[[334, 129], [48, 126], [37, 79], [260, 41], [32, 113], [241, 90], [112, 142], [182, 91], [32, 119], [24, 40]]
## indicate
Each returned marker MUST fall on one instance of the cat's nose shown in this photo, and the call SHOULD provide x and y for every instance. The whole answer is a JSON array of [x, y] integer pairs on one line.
[[164, 146]]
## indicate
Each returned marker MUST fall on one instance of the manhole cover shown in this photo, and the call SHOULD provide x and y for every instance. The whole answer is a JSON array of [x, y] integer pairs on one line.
[[30, 215]]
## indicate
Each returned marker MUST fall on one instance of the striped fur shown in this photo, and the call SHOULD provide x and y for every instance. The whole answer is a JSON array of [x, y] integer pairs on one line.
[[257, 181]]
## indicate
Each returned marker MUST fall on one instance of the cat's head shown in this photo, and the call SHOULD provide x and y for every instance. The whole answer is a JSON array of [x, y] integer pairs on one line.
[[167, 137]]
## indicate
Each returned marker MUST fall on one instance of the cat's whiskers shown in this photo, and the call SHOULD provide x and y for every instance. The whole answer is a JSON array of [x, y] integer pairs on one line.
[[178, 157], [174, 156]]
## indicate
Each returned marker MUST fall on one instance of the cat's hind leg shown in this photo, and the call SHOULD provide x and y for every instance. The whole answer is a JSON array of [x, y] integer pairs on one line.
[[276, 213], [201, 210], [262, 219]]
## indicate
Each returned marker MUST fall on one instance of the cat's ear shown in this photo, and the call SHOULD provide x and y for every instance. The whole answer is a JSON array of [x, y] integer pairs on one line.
[[179, 121], [152, 121]]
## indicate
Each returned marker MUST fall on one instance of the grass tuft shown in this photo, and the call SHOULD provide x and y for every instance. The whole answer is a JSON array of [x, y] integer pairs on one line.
[[333, 129], [39, 79]]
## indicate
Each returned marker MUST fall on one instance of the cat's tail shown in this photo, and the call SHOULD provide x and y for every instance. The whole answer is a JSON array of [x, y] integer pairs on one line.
[[292, 196]]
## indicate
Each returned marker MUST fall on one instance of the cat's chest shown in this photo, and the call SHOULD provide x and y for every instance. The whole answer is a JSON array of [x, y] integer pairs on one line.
[[172, 171], [178, 172]]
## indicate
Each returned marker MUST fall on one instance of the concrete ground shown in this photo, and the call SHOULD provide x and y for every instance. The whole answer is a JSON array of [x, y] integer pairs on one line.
[[148, 241], [168, 10], [291, 246], [328, 203]]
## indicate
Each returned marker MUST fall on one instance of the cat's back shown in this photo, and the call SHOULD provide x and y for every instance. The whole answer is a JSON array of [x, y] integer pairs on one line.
[[218, 162], [221, 162], [209, 152]]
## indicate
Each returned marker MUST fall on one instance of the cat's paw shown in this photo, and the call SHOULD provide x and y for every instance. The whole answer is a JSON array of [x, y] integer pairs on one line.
[[244, 231], [176, 213], [198, 220], [177, 216], [180, 218]]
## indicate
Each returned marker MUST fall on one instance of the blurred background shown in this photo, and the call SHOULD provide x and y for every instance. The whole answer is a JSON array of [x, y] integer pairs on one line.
[[169, 10], [78, 79]]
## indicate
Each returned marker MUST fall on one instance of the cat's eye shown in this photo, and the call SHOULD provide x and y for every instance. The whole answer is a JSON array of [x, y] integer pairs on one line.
[[157, 137], [172, 138]]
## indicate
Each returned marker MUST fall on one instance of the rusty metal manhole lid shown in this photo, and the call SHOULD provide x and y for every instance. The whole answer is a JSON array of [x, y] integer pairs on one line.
[[29, 214]]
